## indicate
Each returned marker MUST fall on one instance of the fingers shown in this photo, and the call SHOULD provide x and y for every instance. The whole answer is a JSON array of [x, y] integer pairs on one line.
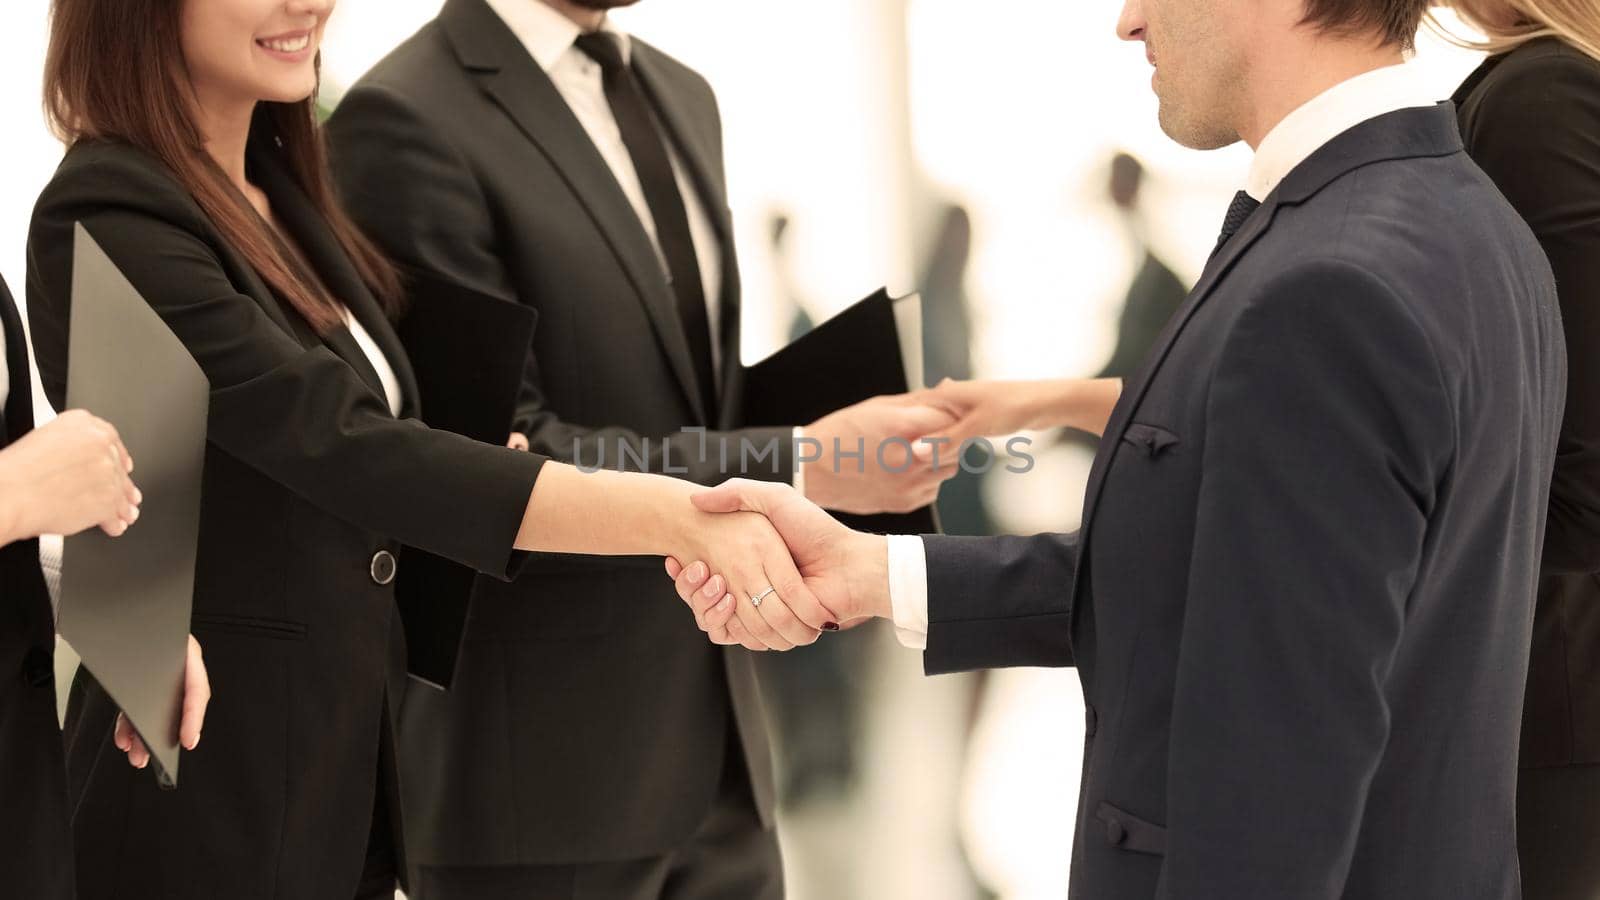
[[717, 612], [673, 568], [703, 596], [776, 613], [741, 495], [729, 496], [128, 742], [754, 620], [921, 419], [517, 441], [796, 598], [737, 632], [196, 696]]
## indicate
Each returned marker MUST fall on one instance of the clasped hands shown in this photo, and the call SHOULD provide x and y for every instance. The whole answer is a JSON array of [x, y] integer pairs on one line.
[[831, 577], [787, 583]]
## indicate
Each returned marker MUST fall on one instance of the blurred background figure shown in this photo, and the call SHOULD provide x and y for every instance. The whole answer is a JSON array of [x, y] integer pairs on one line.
[[1156, 291]]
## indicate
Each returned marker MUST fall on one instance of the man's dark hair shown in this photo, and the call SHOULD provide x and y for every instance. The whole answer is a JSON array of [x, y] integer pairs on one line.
[[1396, 20]]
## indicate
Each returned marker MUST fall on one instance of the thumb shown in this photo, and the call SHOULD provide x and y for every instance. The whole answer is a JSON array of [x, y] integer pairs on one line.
[[736, 495]]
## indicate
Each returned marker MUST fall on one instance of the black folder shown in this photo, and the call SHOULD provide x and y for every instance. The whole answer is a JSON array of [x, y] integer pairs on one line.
[[468, 350], [126, 602], [849, 358]]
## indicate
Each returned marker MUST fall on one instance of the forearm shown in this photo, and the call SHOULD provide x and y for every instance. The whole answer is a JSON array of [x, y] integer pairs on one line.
[[697, 455], [1083, 404], [605, 513]]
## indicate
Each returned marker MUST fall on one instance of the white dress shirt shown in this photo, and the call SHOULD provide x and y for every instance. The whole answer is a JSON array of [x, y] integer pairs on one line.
[[1287, 145], [374, 355], [549, 38]]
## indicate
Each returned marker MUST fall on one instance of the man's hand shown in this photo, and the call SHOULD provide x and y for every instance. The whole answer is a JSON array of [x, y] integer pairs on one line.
[[69, 475], [867, 464], [845, 571], [196, 694]]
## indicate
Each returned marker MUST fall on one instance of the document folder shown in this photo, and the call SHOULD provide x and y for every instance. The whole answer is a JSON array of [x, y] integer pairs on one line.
[[126, 602], [872, 348], [468, 350]]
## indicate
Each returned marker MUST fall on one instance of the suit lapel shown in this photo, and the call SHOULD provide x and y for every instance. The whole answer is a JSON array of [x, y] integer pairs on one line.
[[510, 77], [338, 275], [1134, 391]]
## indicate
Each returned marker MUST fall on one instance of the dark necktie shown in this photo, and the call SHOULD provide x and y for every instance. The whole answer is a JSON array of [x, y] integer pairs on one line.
[[651, 161], [1240, 209]]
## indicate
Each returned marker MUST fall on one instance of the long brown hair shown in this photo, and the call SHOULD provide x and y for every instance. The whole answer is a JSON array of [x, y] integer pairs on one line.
[[1575, 21], [115, 71]]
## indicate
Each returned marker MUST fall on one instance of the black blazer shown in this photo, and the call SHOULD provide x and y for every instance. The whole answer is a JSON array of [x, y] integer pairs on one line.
[[35, 845], [1309, 543], [310, 486], [459, 155], [1531, 119]]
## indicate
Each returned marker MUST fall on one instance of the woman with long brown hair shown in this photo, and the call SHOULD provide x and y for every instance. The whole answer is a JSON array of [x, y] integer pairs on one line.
[[195, 161], [1530, 118]]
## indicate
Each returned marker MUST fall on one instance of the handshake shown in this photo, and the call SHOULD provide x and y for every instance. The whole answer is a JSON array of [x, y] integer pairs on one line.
[[789, 572], [770, 570]]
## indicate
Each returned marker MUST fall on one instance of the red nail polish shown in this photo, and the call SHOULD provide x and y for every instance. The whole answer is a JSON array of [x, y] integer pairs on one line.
[[830, 626]]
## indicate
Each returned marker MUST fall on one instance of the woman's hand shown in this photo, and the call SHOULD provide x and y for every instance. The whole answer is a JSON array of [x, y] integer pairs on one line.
[[993, 408], [196, 695], [750, 561], [69, 475], [845, 571]]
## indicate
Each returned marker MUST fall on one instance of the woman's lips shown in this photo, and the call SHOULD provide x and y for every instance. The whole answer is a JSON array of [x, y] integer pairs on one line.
[[293, 44]]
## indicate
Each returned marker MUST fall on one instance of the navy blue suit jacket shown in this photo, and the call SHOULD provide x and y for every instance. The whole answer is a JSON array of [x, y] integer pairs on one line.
[[1300, 602]]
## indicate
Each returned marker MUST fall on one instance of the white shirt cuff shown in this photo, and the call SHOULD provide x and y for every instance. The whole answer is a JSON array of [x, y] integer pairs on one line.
[[908, 590], [799, 467]]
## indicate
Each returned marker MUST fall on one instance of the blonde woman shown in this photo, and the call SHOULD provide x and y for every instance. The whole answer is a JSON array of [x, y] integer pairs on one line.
[[1530, 117]]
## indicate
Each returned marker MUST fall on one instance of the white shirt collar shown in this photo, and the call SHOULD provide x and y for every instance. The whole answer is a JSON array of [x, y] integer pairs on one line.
[[548, 34], [1328, 115]]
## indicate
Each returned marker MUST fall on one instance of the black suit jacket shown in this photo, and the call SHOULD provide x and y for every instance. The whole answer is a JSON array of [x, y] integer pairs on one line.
[[1531, 119], [459, 155], [1310, 541], [35, 846], [310, 486]]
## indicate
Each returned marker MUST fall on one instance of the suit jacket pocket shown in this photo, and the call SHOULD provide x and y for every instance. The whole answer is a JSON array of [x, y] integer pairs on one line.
[[250, 626], [1129, 832], [1152, 440]]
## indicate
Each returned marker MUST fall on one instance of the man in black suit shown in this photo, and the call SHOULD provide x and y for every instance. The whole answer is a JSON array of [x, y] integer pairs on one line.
[[1300, 601], [528, 150], [70, 475]]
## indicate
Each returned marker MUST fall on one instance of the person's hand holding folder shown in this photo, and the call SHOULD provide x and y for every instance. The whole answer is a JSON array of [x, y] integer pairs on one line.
[[196, 696]]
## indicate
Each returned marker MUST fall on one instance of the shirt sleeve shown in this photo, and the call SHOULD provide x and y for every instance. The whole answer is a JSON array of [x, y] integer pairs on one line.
[[908, 590]]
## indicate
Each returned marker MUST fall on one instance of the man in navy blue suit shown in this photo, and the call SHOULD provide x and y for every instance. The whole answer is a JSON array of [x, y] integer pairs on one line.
[[1301, 597]]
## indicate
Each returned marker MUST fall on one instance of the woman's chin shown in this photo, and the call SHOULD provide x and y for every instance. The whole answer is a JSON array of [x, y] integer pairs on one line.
[[289, 93]]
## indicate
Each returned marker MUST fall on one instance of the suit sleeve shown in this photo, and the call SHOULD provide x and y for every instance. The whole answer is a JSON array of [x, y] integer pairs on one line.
[[1537, 135], [414, 193], [301, 416], [1328, 431], [995, 602]]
